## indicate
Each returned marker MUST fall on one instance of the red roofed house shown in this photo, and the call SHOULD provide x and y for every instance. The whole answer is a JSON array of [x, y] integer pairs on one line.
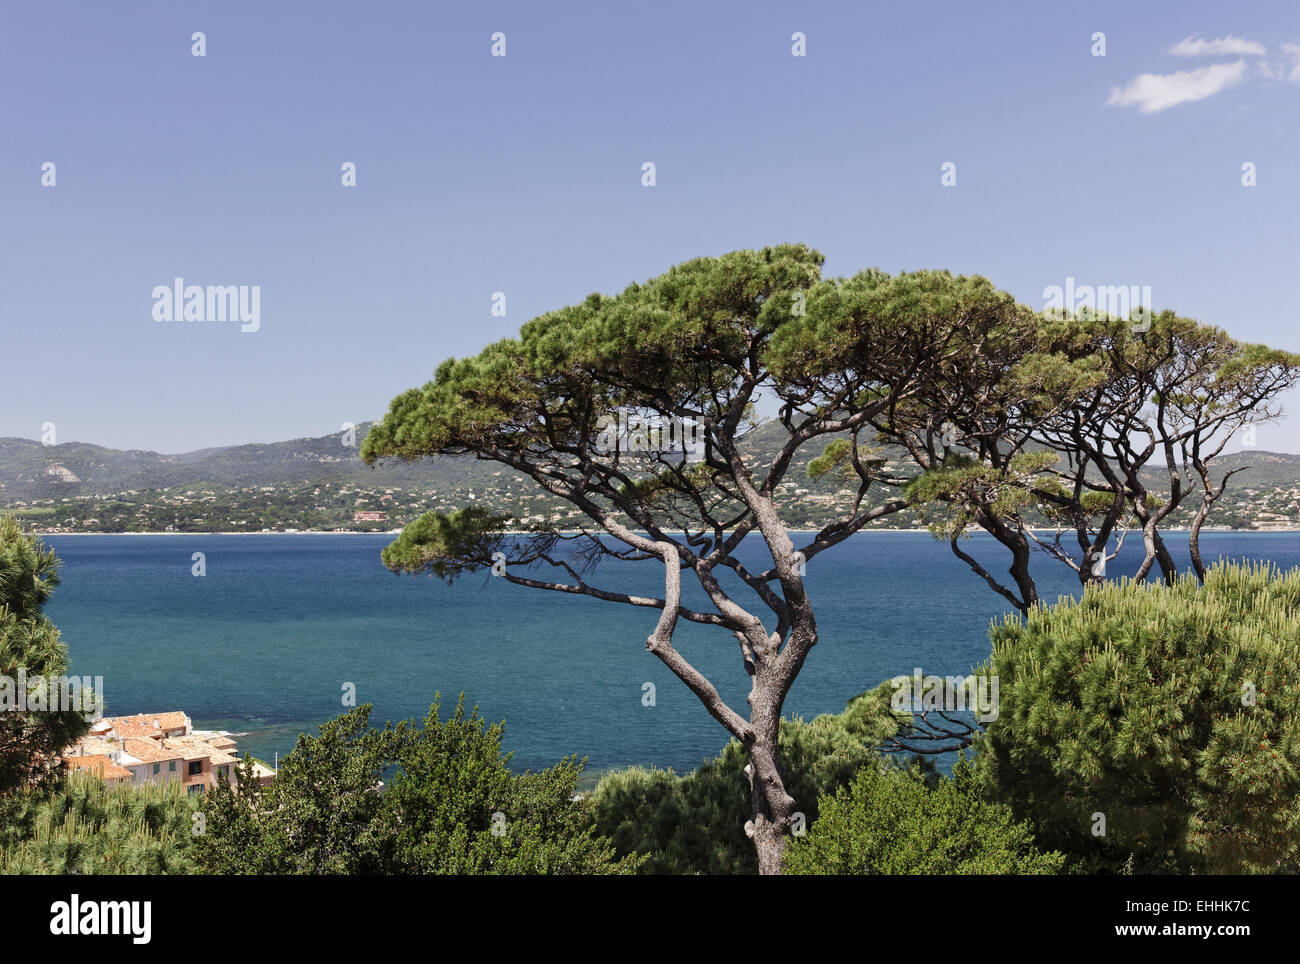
[[159, 748], [103, 767]]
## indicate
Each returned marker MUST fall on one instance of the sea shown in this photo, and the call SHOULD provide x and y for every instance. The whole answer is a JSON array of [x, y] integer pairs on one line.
[[280, 631]]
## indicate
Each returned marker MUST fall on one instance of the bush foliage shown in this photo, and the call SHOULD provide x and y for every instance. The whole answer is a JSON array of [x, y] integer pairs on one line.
[[1171, 712], [84, 826], [30, 739], [891, 821], [453, 807]]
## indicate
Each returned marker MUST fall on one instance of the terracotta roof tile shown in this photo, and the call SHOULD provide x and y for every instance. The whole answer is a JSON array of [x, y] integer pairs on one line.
[[148, 724], [101, 766], [151, 751]]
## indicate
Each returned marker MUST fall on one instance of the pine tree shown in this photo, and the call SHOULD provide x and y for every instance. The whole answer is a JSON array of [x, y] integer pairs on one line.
[[84, 826], [30, 740], [1157, 723]]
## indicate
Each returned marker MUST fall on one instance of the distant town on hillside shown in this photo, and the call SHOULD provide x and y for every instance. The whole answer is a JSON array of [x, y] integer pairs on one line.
[[321, 484]]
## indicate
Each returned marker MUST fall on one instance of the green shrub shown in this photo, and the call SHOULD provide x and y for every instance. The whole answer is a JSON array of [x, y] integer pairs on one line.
[[455, 808], [890, 821], [86, 827], [448, 780], [1171, 712]]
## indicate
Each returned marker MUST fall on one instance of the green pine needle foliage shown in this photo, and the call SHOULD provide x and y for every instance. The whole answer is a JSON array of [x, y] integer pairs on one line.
[[1171, 713], [87, 827], [30, 740], [891, 821]]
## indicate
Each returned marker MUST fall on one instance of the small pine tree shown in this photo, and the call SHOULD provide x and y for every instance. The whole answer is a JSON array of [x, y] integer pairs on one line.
[[1156, 727]]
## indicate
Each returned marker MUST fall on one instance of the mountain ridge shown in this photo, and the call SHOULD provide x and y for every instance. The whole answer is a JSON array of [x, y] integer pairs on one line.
[[321, 482]]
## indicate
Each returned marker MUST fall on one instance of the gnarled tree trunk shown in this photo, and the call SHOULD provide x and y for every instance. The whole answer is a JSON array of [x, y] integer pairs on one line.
[[772, 808]]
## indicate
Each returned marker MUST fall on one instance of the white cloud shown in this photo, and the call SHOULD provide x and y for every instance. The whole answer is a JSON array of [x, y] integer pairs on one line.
[[1151, 93], [1293, 51], [1229, 46]]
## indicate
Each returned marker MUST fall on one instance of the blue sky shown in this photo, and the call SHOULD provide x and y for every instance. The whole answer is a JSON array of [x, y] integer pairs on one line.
[[522, 174]]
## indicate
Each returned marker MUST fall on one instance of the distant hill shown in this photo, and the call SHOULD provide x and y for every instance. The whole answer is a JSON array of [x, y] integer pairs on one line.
[[30, 470], [322, 483], [1264, 470]]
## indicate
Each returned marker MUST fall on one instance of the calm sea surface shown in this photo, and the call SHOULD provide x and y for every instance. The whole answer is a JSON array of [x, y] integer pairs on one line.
[[264, 643]]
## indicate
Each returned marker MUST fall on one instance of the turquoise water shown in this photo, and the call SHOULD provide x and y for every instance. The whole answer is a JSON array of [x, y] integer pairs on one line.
[[264, 642]]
